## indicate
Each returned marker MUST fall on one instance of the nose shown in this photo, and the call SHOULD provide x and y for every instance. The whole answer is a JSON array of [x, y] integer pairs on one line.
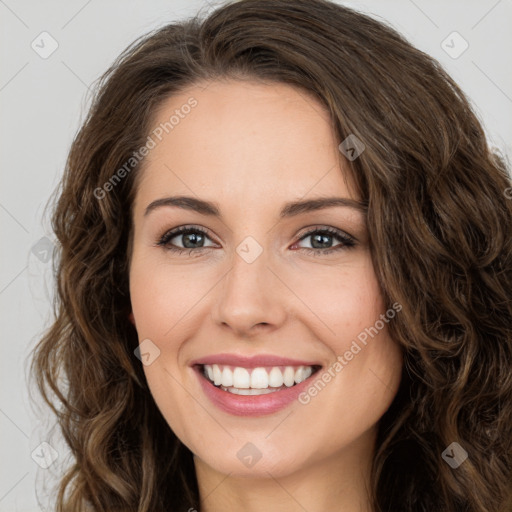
[[249, 298]]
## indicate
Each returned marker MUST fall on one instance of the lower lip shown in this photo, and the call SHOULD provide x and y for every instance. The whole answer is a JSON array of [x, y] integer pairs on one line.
[[251, 405]]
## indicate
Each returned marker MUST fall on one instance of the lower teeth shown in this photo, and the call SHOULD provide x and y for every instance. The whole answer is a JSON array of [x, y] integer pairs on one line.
[[250, 391]]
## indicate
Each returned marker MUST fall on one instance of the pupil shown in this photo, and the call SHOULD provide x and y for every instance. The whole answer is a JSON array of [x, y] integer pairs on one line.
[[194, 238], [321, 241]]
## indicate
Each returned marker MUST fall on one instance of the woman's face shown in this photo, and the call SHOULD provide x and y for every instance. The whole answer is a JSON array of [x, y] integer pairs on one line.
[[260, 295]]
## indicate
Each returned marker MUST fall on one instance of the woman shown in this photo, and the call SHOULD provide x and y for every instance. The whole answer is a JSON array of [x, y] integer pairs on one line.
[[284, 279]]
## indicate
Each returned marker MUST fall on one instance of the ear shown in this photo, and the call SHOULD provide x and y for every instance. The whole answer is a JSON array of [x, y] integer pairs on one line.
[[131, 318]]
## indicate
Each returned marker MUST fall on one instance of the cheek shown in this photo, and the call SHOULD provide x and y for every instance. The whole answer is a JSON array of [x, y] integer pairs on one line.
[[343, 300], [157, 297], [366, 363], [161, 295]]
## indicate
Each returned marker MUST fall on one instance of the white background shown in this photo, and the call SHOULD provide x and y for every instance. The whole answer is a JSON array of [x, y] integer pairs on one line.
[[42, 102]]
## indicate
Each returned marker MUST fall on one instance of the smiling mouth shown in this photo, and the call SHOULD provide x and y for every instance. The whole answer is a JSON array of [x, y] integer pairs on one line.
[[256, 381]]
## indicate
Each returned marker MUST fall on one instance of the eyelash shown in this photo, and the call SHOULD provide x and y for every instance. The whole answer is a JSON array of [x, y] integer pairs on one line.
[[348, 242]]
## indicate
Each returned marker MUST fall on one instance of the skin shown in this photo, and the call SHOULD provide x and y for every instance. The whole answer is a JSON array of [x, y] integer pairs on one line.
[[251, 147]]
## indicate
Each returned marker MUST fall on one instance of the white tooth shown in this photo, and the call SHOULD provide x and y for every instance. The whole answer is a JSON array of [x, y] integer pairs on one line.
[[275, 378], [307, 372], [227, 377], [299, 374], [259, 378], [250, 391], [209, 371], [254, 391], [246, 391], [217, 375], [289, 376], [241, 378]]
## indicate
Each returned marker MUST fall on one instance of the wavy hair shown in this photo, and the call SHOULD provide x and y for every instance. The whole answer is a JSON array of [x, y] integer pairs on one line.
[[440, 227]]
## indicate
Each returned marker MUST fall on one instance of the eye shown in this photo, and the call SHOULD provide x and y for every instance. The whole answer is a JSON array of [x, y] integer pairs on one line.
[[192, 238], [322, 241]]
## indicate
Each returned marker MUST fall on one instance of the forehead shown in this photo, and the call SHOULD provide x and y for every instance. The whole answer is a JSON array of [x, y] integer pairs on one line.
[[243, 139]]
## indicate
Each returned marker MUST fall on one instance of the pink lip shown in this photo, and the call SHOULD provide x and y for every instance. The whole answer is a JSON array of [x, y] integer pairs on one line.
[[250, 405], [251, 362]]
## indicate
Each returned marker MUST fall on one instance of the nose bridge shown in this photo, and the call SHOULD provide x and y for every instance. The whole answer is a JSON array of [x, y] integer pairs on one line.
[[248, 295]]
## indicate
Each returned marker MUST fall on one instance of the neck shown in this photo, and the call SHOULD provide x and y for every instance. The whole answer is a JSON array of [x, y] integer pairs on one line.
[[339, 482]]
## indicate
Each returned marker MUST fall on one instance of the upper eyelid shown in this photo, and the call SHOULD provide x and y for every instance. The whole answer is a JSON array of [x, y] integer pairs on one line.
[[328, 229]]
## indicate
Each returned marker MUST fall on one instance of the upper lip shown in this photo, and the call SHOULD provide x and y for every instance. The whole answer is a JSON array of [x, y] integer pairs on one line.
[[251, 361]]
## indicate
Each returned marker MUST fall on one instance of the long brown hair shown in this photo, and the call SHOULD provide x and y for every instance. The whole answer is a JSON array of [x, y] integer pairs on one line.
[[440, 227]]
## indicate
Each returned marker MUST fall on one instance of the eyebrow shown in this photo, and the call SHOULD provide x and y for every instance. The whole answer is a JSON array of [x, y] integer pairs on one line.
[[290, 209]]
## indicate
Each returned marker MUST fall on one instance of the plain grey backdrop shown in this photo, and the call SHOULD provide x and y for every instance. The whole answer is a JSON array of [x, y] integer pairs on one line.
[[51, 52]]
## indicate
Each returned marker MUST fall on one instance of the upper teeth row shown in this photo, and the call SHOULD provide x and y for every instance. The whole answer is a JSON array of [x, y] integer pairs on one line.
[[259, 378]]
